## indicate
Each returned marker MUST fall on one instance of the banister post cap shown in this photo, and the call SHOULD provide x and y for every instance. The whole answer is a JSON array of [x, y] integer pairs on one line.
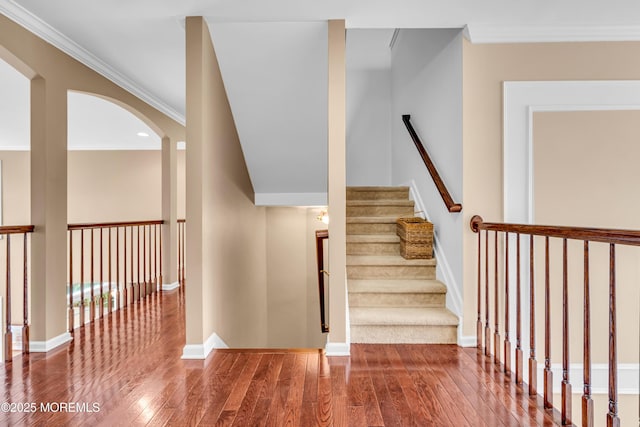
[[476, 220]]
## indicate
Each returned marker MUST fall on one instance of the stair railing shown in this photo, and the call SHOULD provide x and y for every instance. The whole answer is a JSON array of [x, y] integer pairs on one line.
[[321, 236], [120, 263], [11, 277], [442, 189], [510, 234]]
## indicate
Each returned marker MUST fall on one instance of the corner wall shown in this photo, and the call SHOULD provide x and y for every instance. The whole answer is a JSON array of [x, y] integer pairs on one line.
[[226, 295], [292, 295], [338, 340]]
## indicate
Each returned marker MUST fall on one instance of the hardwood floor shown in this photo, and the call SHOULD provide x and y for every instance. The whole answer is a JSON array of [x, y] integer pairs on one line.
[[126, 370]]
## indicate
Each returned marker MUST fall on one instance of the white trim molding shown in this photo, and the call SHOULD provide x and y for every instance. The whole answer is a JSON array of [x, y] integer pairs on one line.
[[443, 269], [337, 349], [201, 351], [628, 378], [290, 199], [493, 33], [37, 26], [521, 100], [466, 340], [454, 296], [45, 346], [341, 348], [170, 286]]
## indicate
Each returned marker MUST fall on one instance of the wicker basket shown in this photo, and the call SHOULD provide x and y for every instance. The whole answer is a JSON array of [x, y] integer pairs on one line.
[[416, 238], [414, 230]]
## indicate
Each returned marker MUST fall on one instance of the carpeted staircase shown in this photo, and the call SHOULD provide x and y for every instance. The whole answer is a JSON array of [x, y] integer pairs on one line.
[[391, 299]]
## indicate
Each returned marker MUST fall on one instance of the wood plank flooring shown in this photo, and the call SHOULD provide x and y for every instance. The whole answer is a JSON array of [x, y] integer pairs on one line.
[[125, 370]]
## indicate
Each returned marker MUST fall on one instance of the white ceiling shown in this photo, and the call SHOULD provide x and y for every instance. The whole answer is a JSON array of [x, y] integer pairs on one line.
[[275, 75], [140, 45]]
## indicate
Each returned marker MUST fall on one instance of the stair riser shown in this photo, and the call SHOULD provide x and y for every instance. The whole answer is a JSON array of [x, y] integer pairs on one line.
[[390, 272], [363, 228], [398, 334], [379, 210], [396, 300], [378, 195], [373, 249]]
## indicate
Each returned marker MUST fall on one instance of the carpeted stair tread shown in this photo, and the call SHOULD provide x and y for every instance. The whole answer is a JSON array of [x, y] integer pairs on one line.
[[378, 188], [380, 203], [431, 316], [387, 260], [396, 286], [377, 193], [372, 219], [372, 238], [391, 299]]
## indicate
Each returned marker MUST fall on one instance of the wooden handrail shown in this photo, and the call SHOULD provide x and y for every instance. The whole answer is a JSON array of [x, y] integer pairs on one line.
[[602, 235], [16, 229], [112, 224], [612, 237], [321, 235], [444, 193]]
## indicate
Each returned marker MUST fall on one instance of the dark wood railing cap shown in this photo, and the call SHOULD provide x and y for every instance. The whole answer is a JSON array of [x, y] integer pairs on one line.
[[113, 224], [16, 229], [452, 206], [603, 235]]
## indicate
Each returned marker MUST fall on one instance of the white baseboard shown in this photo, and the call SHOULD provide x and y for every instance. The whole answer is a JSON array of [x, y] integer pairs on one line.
[[201, 351], [628, 377], [466, 341], [454, 295], [45, 346], [170, 286], [337, 349]]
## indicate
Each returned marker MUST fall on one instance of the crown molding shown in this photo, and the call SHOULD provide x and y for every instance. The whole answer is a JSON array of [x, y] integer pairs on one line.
[[40, 28], [488, 33]]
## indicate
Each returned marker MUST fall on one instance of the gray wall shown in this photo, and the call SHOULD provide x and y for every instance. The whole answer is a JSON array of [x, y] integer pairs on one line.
[[426, 82], [369, 127], [368, 107]]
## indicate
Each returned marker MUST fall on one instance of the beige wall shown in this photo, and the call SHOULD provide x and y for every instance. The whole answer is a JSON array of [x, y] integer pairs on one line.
[[585, 174], [292, 293], [108, 186], [226, 261], [103, 186], [485, 68], [337, 184]]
